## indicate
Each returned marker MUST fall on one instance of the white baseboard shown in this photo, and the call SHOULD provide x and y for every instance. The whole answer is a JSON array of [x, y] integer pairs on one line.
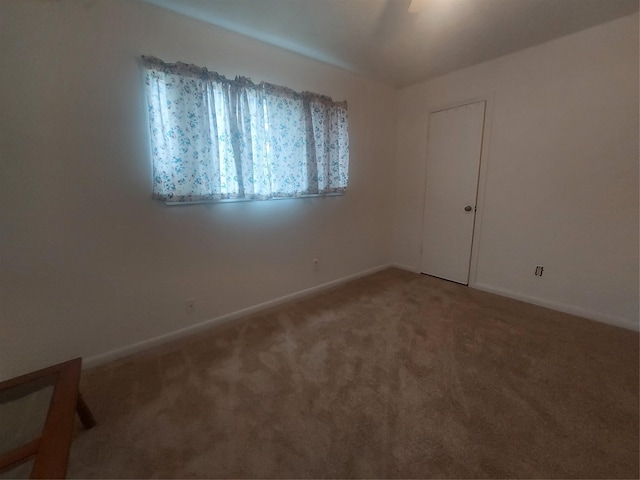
[[193, 329], [405, 267], [571, 309]]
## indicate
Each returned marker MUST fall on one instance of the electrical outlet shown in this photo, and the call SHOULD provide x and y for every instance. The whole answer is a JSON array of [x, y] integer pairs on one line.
[[190, 303], [316, 264], [539, 270]]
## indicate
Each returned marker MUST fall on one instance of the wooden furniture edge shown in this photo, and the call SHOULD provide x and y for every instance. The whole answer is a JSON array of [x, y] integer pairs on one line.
[[43, 372], [18, 454], [53, 451]]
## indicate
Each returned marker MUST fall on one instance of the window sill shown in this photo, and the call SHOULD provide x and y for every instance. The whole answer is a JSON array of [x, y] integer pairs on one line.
[[236, 200]]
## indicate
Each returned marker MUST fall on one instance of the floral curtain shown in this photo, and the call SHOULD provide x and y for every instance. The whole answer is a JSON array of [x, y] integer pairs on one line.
[[213, 138]]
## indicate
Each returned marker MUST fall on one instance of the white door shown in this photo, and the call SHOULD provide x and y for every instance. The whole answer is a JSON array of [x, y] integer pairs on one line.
[[453, 166]]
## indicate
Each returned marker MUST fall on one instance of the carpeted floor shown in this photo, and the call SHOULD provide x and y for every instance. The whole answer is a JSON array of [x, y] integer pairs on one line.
[[391, 375]]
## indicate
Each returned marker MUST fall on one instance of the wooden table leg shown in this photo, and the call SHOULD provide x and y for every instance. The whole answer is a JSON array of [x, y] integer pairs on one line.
[[85, 415]]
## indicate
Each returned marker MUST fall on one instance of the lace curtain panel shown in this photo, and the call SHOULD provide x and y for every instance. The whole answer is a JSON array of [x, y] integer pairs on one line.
[[213, 138]]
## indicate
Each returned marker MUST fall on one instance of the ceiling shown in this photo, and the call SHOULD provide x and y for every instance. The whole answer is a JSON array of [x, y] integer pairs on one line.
[[382, 40]]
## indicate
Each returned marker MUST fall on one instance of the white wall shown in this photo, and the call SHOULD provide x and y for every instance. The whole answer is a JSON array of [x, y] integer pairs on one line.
[[559, 181], [90, 264]]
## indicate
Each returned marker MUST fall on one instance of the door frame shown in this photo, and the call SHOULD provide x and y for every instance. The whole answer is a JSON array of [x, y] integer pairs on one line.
[[489, 99]]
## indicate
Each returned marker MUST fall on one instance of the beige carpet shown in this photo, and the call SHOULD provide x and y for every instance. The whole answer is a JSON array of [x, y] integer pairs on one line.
[[392, 375]]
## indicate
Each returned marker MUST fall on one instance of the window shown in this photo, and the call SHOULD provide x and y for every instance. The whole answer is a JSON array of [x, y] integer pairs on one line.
[[213, 138]]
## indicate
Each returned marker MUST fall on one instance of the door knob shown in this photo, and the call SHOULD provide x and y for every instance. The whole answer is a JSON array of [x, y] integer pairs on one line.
[[468, 208]]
